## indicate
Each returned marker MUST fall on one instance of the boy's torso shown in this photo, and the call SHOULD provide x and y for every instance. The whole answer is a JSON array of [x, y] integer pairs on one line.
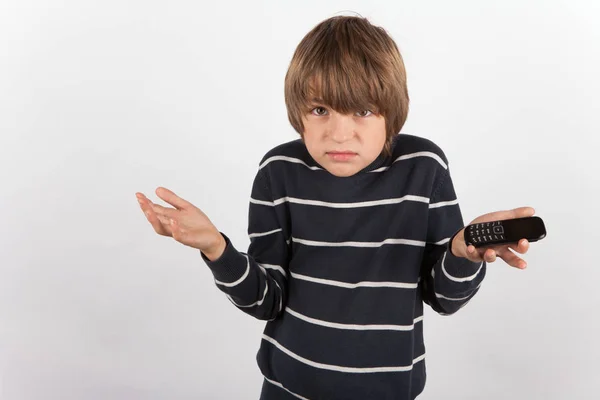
[[352, 326]]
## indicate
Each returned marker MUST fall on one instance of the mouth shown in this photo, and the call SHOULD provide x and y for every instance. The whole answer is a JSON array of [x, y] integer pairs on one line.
[[341, 155]]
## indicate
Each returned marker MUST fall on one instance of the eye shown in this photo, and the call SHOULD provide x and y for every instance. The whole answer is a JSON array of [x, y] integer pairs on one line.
[[364, 113], [319, 111]]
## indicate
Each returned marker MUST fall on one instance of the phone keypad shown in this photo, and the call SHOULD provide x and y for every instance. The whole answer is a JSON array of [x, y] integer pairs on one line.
[[485, 233]]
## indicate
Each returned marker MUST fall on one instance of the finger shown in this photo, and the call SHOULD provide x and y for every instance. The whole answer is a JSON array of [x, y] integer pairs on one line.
[[144, 202], [473, 254], [165, 211], [522, 212], [172, 199], [155, 221], [489, 255], [482, 254], [471, 249], [156, 215], [141, 199], [476, 254], [512, 259], [519, 212], [145, 206], [522, 246], [164, 220]]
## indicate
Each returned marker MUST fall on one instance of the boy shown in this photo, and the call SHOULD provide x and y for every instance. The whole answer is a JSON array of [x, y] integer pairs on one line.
[[352, 227]]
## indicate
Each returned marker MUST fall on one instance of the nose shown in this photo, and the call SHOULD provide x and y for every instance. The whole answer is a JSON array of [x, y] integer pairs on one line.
[[341, 128]]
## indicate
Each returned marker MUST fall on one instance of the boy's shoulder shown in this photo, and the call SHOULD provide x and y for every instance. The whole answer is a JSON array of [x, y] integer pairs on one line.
[[292, 150], [407, 144]]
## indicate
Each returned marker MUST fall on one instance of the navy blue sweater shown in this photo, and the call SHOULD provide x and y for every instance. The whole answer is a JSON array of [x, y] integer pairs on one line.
[[340, 267]]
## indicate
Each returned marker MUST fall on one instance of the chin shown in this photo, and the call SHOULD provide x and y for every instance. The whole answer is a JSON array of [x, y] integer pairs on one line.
[[342, 171]]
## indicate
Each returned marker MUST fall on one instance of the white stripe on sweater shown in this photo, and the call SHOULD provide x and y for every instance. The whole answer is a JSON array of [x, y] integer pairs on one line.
[[256, 303], [455, 279], [354, 327], [262, 202], [371, 203], [444, 203], [413, 155], [359, 244], [259, 234], [284, 388], [442, 242], [280, 296], [439, 296], [274, 267], [340, 368], [399, 285], [288, 159]]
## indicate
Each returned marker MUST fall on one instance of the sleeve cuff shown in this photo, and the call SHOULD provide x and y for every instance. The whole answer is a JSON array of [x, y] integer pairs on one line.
[[451, 239], [230, 266], [459, 267]]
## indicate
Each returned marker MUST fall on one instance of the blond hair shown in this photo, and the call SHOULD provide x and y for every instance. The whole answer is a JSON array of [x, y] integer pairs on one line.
[[350, 65]]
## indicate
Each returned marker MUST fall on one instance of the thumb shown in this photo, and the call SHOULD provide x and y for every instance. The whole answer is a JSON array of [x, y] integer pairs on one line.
[[474, 255], [519, 212]]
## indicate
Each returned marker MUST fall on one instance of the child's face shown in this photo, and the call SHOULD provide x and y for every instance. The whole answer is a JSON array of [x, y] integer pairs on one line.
[[343, 144]]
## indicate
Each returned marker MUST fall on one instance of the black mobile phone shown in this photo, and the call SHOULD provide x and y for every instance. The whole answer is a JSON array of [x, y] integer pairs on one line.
[[505, 231]]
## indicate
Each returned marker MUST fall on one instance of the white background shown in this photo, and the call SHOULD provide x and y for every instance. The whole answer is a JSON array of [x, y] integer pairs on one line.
[[100, 99]]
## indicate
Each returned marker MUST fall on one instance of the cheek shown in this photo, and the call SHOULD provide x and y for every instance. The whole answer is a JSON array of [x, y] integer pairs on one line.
[[314, 147], [381, 132], [311, 141], [375, 134], [312, 134]]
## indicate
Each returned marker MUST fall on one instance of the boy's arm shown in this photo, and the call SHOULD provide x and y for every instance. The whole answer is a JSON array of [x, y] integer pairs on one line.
[[448, 281], [255, 281]]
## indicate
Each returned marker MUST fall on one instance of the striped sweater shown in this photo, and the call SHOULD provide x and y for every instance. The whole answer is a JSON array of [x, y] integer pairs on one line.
[[340, 268]]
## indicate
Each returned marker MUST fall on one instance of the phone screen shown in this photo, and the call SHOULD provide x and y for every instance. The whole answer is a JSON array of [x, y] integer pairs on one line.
[[531, 227]]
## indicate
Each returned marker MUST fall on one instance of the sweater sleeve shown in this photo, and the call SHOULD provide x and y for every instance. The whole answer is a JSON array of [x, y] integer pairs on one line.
[[447, 282], [255, 282]]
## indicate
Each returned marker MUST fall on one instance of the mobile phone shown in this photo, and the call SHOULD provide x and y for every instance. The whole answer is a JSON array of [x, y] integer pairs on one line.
[[505, 231]]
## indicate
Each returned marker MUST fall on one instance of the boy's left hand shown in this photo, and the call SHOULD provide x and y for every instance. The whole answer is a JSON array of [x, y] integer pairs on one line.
[[489, 253]]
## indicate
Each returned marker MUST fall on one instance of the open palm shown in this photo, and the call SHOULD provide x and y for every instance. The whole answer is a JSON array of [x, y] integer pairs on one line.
[[184, 222]]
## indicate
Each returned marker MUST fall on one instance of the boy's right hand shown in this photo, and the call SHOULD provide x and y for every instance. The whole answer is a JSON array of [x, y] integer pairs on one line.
[[185, 223]]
